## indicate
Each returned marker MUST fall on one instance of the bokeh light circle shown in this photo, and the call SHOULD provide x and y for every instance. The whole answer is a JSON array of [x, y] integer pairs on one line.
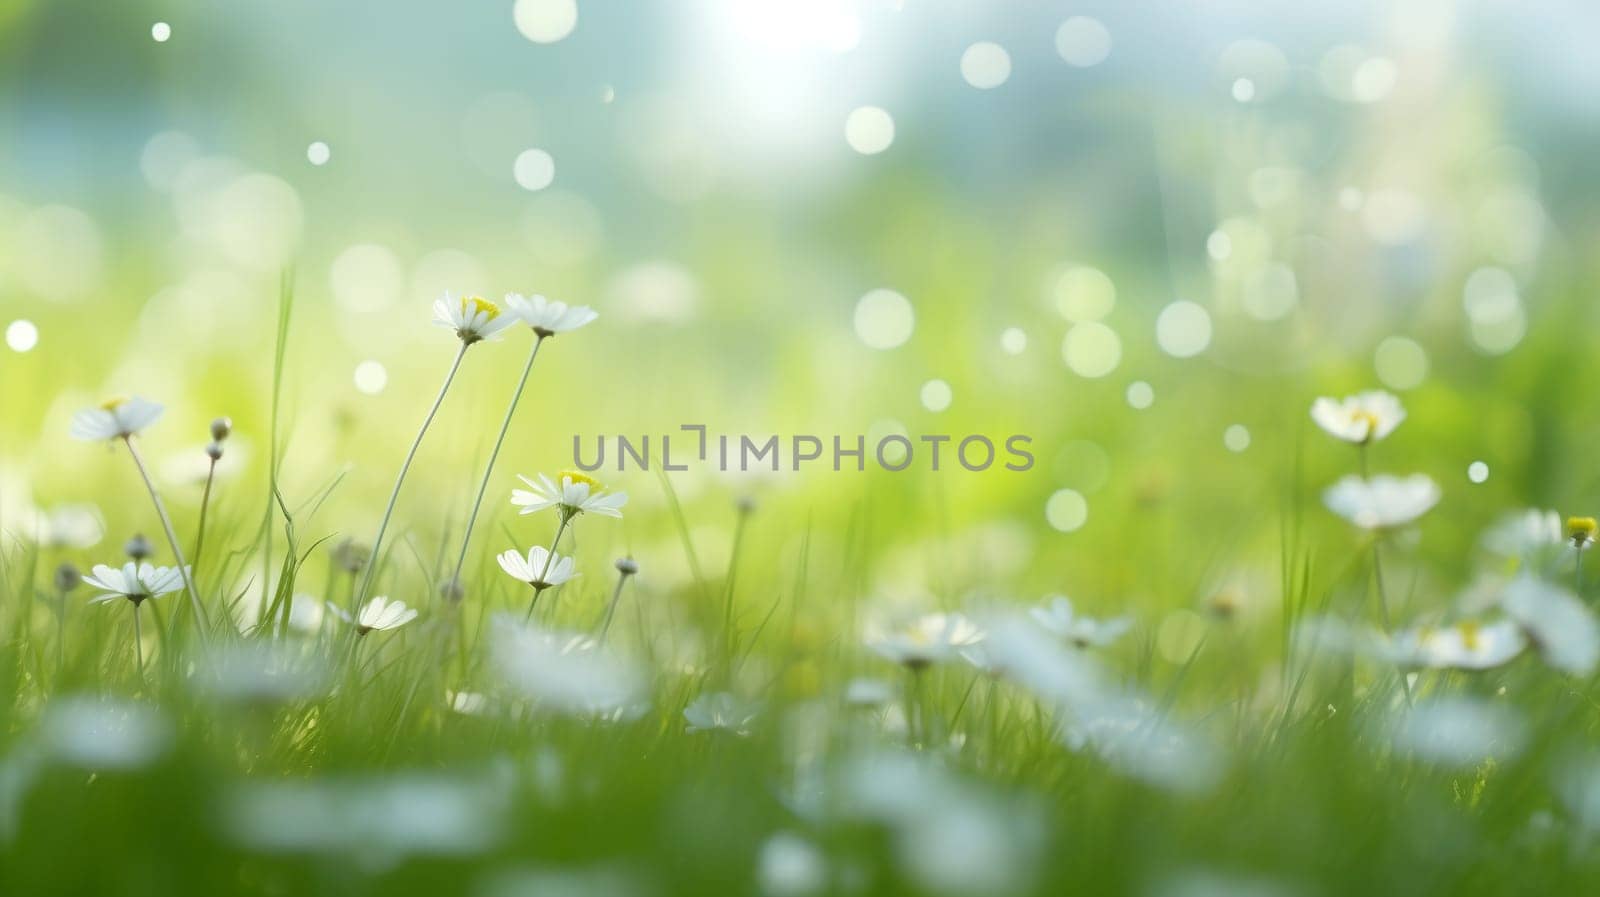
[[1083, 42], [985, 65], [545, 21], [1183, 329], [1066, 510], [534, 169], [884, 319], [869, 130], [1091, 350], [936, 395]]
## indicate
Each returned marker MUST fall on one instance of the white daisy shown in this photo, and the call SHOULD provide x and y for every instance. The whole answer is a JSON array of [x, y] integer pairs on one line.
[[1524, 535], [576, 494], [1466, 645], [532, 568], [379, 613], [473, 318], [1361, 418], [1558, 623], [548, 318], [1085, 632], [720, 711], [925, 640], [1383, 501], [115, 419], [135, 582]]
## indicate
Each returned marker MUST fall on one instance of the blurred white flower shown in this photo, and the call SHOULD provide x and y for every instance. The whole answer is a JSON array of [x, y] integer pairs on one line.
[[927, 639], [115, 419], [548, 318], [1361, 418], [379, 613], [566, 672], [791, 866], [1057, 616], [720, 711], [1558, 623], [473, 318], [864, 692], [135, 582], [257, 670], [1466, 645], [71, 526], [104, 734], [531, 568], [577, 494], [1383, 501], [1524, 535], [399, 814], [1459, 731], [306, 614]]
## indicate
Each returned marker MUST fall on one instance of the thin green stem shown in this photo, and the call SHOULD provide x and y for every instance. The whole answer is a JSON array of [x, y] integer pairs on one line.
[[205, 504], [138, 641], [488, 470], [549, 558], [360, 594], [1578, 574], [727, 596], [172, 539], [611, 607], [1383, 609]]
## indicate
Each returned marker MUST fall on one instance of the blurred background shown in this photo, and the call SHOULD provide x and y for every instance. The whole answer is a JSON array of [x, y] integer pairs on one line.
[[1147, 235]]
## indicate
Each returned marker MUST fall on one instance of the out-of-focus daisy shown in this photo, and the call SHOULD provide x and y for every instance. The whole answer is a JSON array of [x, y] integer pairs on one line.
[[1524, 535], [379, 613], [578, 493], [538, 568], [1361, 418], [548, 318], [1581, 531], [1383, 501], [865, 692], [115, 419], [135, 582], [306, 614], [1057, 616], [1466, 645], [473, 318], [1558, 623], [722, 711], [925, 640]]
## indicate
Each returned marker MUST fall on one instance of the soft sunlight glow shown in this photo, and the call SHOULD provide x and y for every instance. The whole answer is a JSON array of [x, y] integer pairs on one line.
[[371, 377], [1013, 341], [1141, 395], [545, 21], [1183, 329], [318, 153], [1091, 350], [1083, 42], [869, 130], [22, 335], [986, 65], [1066, 510], [1236, 438], [161, 31], [936, 395], [884, 319], [1082, 293], [1478, 472], [1400, 363], [534, 169], [366, 277]]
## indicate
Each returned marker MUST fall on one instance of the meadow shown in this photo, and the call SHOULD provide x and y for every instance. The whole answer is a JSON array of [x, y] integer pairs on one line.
[[1279, 582]]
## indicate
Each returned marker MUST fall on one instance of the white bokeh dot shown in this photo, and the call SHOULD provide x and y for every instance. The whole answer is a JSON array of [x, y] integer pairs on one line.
[[884, 319], [1066, 510], [160, 32], [1477, 472], [986, 65], [1091, 349], [22, 335], [1236, 438], [1244, 90], [534, 169], [1013, 341], [371, 377], [545, 21], [869, 130], [1083, 41], [1183, 329], [1140, 395], [318, 153], [936, 395]]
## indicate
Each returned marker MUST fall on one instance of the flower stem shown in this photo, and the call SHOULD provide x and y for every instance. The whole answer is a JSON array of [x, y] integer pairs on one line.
[[360, 594], [205, 503], [727, 597], [488, 470], [611, 608], [138, 642], [172, 539], [1578, 574], [549, 558], [1383, 610]]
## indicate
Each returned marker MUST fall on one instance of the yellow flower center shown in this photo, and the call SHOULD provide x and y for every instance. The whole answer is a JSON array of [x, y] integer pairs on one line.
[[1470, 634], [1581, 529], [1364, 416], [474, 304], [575, 477], [113, 404]]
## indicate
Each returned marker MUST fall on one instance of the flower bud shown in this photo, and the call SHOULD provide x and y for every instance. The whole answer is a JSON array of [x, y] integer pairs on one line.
[[627, 566], [67, 577], [351, 556], [214, 451], [220, 428], [451, 590], [138, 548]]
